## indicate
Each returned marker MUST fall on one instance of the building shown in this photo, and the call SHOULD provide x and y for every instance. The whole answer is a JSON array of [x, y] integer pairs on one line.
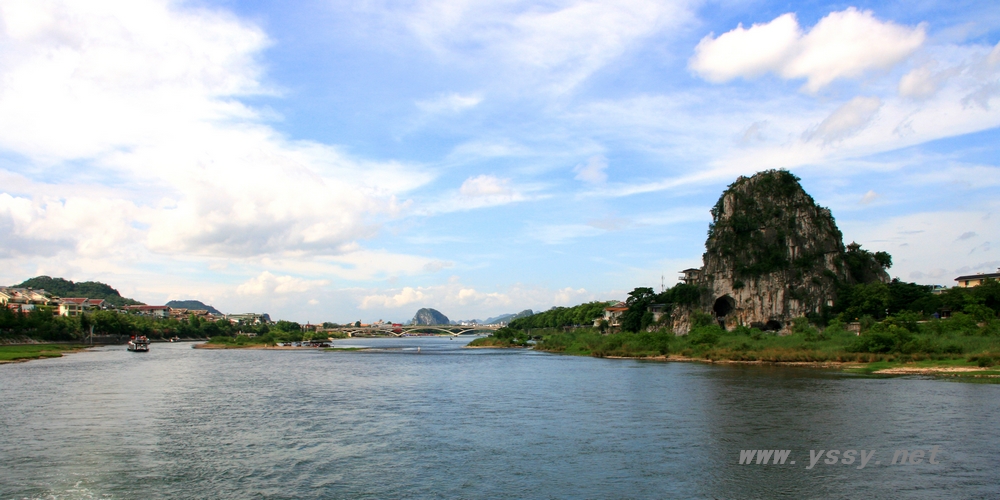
[[72, 306], [612, 315], [154, 311], [249, 318], [976, 279], [25, 296], [658, 310], [690, 276], [179, 314]]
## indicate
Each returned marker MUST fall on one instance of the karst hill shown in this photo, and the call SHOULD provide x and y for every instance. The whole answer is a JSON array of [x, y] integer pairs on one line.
[[773, 254]]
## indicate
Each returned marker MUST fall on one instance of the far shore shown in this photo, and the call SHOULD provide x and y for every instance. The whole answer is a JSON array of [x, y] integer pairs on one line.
[[252, 346], [849, 366]]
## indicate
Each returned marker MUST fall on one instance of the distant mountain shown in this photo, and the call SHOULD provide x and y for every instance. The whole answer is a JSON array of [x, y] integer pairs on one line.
[[86, 289], [193, 304], [507, 318], [428, 316]]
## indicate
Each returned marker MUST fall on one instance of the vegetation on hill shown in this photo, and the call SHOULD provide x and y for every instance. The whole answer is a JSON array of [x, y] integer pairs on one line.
[[583, 314], [86, 289], [758, 219]]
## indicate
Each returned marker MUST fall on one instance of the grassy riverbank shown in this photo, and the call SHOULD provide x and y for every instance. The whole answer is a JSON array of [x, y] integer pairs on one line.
[[495, 342], [898, 345], [13, 353]]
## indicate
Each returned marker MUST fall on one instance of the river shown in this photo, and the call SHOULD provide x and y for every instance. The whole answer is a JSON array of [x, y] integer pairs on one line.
[[446, 422]]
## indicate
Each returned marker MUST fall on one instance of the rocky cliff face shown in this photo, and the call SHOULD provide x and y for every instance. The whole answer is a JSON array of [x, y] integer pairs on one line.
[[428, 316], [772, 255]]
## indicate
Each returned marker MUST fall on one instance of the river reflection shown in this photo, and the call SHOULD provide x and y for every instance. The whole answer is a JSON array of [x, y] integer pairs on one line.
[[473, 423]]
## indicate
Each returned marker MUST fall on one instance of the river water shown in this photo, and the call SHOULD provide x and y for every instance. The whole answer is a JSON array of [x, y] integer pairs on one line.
[[445, 422]]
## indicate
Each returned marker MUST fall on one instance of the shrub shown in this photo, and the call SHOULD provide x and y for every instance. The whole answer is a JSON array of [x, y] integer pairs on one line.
[[700, 319], [705, 335], [801, 326]]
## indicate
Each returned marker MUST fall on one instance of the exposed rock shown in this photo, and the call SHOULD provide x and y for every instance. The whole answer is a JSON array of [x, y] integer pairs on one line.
[[772, 255], [428, 316]]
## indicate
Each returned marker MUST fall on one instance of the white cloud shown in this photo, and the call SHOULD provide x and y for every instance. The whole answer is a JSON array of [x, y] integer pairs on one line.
[[593, 171], [406, 296], [480, 191], [555, 234], [869, 197], [450, 103], [556, 44], [919, 83], [267, 283], [747, 52], [929, 247], [568, 295], [485, 186], [843, 44], [146, 93], [847, 120]]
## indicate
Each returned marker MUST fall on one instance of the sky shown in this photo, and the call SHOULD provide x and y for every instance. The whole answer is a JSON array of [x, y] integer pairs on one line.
[[359, 160]]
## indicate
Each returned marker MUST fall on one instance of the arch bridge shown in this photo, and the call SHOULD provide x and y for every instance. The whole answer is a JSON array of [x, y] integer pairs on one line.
[[400, 331]]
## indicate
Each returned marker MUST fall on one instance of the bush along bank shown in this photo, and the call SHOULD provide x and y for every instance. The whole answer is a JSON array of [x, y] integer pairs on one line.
[[902, 339]]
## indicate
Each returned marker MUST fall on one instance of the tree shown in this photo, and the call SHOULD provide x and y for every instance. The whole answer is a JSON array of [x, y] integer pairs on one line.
[[638, 302]]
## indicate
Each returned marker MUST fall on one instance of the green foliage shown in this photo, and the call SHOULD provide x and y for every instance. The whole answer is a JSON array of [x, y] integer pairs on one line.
[[855, 301], [503, 337], [288, 327], [911, 297], [680, 294], [699, 319], [34, 351], [888, 340], [87, 289], [638, 302], [705, 335], [760, 225], [864, 266], [587, 341], [801, 326], [583, 314], [41, 324]]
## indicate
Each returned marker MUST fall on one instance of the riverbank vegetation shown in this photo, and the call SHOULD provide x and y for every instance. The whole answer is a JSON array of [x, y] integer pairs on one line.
[[899, 323], [10, 353], [504, 337], [282, 331], [42, 325]]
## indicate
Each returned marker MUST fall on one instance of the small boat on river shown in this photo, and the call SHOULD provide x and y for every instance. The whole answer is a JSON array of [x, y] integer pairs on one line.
[[138, 344]]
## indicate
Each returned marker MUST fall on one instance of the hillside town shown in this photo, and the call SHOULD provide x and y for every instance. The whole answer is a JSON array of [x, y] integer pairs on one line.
[[27, 300]]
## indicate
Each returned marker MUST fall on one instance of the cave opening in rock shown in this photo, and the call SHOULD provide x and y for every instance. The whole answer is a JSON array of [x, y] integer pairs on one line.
[[723, 306], [772, 326]]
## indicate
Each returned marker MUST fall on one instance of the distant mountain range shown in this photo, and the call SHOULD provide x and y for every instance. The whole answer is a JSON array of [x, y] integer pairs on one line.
[[193, 304], [85, 289], [507, 318]]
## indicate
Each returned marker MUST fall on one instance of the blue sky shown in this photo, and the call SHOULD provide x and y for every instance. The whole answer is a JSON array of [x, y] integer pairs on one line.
[[342, 161]]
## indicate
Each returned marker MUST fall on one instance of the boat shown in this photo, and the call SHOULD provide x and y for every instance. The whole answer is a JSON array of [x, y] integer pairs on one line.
[[138, 344]]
